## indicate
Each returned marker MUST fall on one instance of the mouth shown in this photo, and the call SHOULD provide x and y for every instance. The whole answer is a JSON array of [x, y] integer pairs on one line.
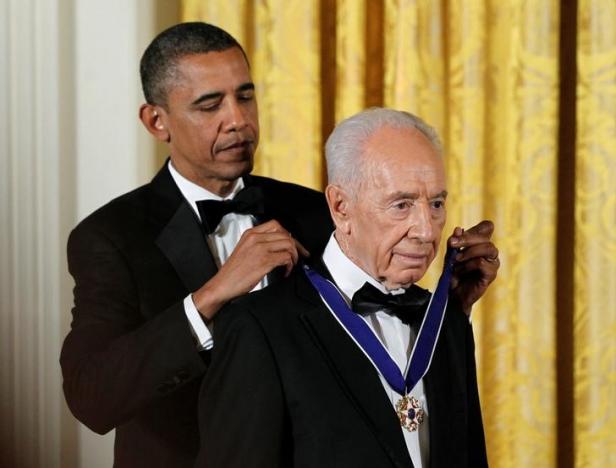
[[236, 147], [413, 260]]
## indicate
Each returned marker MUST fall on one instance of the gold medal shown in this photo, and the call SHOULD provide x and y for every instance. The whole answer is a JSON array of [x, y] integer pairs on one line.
[[410, 413]]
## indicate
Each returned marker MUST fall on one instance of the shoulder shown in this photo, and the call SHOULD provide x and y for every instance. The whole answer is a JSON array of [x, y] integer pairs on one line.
[[270, 308], [122, 206], [301, 210], [276, 188], [127, 215], [122, 218]]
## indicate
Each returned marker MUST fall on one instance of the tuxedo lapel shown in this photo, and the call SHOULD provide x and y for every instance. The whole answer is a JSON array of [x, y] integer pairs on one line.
[[180, 236], [355, 374], [183, 243]]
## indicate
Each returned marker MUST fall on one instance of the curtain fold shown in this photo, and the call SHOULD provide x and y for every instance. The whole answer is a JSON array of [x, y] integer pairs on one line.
[[486, 75], [595, 237]]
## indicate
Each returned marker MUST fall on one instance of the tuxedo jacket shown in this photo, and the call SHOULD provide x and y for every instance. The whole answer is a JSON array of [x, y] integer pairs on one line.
[[287, 387], [130, 361]]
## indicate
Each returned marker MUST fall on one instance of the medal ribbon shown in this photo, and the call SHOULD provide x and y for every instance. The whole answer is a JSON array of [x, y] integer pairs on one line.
[[423, 349]]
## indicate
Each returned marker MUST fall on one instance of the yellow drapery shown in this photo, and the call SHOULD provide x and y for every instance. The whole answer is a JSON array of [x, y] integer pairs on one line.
[[595, 237], [486, 75]]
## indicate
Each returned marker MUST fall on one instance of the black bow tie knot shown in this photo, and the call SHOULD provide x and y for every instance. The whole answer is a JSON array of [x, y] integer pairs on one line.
[[368, 299], [247, 201]]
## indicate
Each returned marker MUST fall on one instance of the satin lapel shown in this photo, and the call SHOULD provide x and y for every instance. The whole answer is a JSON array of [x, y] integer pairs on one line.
[[180, 237], [183, 243], [355, 374]]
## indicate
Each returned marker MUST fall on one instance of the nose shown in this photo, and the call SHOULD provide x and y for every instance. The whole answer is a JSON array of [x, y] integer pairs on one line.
[[235, 119], [421, 227]]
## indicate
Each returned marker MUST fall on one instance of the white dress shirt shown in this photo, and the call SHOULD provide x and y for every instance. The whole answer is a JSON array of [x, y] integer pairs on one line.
[[221, 243], [397, 337]]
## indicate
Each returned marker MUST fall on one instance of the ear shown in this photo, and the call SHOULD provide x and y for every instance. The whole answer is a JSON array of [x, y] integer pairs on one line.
[[153, 118], [339, 203]]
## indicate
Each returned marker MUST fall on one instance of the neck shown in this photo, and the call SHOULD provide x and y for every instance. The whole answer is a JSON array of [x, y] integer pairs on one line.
[[222, 188], [343, 242]]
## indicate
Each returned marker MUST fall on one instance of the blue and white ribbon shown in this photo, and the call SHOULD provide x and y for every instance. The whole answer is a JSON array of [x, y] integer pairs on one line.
[[425, 343]]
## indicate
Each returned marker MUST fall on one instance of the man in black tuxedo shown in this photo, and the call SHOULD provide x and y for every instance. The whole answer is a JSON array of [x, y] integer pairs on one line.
[[153, 266], [293, 383]]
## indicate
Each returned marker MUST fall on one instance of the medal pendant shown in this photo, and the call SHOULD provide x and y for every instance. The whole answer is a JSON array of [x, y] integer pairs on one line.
[[409, 412]]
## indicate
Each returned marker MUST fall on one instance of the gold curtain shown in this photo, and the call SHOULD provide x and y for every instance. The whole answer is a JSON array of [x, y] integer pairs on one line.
[[488, 75], [595, 237]]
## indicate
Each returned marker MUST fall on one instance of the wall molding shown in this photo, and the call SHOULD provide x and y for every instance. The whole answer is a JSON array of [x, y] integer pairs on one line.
[[70, 140]]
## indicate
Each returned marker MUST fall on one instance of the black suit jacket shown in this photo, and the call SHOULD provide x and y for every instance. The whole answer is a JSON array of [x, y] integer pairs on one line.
[[130, 361], [287, 387]]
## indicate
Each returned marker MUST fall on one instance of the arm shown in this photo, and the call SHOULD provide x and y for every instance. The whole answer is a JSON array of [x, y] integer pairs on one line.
[[259, 250], [114, 361], [241, 409]]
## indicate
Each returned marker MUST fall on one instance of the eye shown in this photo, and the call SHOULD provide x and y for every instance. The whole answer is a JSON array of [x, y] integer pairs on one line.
[[211, 107], [246, 96], [402, 205], [438, 204]]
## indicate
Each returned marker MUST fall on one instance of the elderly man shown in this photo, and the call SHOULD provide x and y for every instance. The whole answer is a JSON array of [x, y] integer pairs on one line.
[[360, 374]]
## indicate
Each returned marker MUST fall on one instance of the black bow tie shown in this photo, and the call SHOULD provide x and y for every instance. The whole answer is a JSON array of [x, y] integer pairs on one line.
[[247, 201], [406, 306]]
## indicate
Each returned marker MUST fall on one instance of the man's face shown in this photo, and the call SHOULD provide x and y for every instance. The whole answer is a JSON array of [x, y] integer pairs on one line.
[[398, 213], [212, 119]]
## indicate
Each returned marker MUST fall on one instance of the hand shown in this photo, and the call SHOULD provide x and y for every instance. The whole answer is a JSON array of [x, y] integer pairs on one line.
[[260, 250], [476, 264]]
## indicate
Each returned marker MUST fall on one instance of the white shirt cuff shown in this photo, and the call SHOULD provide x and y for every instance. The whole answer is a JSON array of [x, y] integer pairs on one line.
[[199, 330]]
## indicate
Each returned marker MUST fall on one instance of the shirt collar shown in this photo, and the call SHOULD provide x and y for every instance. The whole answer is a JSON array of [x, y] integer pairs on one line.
[[346, 274], [193, 192]]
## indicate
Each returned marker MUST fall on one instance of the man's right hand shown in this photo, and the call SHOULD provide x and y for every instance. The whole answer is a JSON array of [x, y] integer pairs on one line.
[[260, 250]]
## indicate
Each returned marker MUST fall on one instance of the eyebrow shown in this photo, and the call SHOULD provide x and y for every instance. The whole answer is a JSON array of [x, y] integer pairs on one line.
[[414, 196], [219, 94]]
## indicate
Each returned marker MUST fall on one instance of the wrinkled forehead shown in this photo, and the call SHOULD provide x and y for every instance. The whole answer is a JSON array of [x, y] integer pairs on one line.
[[399, 155]]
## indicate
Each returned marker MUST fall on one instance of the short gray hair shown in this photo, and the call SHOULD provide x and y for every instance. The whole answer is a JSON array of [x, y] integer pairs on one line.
[[345, 146]]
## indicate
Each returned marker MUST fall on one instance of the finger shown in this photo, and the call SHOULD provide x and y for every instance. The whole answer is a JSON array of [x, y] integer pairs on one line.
[[270, 226], [269, 237], [479, 267], [252, 238], [277, 246], [280, 259], [486, 250], [302, 250], [485, 227], [476, 235], [455, 236]]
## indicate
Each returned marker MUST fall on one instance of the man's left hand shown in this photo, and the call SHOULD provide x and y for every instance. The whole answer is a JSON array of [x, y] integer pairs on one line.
[[476, 263]]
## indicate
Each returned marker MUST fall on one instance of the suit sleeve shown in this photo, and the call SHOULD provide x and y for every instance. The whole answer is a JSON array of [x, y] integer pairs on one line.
[[241, 411], [477, 444], [114, 361]]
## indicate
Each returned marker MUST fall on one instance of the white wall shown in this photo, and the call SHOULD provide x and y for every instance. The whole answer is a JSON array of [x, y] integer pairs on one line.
[[70, 140]]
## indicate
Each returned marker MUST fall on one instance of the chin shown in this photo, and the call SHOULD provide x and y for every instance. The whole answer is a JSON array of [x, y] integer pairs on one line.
[[236, 170], [403, 280]]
